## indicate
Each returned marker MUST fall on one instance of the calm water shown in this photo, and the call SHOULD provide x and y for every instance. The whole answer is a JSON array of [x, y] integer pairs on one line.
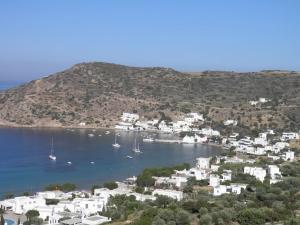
[[24, 164]]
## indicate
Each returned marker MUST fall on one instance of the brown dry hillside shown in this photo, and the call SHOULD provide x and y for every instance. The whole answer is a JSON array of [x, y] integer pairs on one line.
[[97, 93]]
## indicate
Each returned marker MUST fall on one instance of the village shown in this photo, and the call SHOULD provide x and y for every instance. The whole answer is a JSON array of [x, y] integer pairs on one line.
[[85, 207]]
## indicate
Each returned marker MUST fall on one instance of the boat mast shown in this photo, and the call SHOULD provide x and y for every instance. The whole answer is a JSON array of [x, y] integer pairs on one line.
[[52, 146]]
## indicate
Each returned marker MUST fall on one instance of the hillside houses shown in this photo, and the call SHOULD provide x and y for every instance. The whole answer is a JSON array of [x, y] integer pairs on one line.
[[258, 172]]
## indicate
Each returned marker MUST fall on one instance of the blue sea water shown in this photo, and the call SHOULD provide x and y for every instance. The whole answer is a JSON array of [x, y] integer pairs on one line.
[[24, 163]]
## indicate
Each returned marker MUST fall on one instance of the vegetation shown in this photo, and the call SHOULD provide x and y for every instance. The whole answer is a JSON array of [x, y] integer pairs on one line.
[[145, 178], [111, 185], [67, 187], [260, 203], [162, 93], [33, 218]]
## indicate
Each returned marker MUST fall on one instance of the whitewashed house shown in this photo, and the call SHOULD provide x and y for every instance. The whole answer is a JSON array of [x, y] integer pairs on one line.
[[194, 139], [178, 195], [214, 180], [258, 172], [95, 220], [193, 117], [129, 117], [199, 174], [286, 136], [230, 122], [220, 190], [203, 163], [164, 127], [237, 188], [226, 175], [275, 174], [289, 156], [24, 203]]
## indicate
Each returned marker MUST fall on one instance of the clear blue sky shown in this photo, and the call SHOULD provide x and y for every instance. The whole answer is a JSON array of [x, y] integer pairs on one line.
[[42, 37]]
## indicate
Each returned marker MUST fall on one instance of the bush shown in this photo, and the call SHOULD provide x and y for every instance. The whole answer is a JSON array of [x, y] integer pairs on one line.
[[111, 185], [67, 187]]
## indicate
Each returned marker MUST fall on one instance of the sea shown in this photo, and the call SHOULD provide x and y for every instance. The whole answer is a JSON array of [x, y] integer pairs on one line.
[[25, 167]]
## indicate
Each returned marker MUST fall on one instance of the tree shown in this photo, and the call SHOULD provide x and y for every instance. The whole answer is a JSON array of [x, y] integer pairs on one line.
[[206, 219], [111, 185], [2, 221], [163, 201], [95, 186], [30, 214], [158, 221], [182, 218]]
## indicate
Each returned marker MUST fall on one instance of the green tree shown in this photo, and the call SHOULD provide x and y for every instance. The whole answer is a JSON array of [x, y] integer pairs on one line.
[[163, 201], [111, 185], [2, 221], [205, 219], [182, 218], [30, 214]]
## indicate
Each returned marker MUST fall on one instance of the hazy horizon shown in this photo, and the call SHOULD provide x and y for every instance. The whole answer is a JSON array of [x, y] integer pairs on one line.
[[41, 38]]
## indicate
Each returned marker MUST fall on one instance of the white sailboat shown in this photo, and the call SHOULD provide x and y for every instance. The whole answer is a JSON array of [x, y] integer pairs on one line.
[[116, 145], [136, 148], [52, 156]]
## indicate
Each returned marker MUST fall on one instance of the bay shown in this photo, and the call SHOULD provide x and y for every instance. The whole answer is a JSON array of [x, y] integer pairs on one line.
[[24, 163]]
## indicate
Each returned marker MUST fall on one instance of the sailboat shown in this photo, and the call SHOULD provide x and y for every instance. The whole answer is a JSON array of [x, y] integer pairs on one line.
[[116, 145], [136, 148], [52, 156]]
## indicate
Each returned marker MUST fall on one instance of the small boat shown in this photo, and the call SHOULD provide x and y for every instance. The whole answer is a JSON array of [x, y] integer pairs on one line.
[[107, 132], [91, 135], [116, 145], [129, 157], [100, 135], [118, 134], [52, 156], [69, 163], [92, 163], [148, 139]]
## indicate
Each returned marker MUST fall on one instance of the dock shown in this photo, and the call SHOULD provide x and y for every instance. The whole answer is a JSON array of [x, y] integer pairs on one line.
[[168, 141]]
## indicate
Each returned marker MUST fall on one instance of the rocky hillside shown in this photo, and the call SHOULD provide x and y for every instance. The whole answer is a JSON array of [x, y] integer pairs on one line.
[[97, 93]]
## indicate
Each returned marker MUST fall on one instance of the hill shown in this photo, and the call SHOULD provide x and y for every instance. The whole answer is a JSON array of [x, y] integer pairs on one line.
[[97, 93]]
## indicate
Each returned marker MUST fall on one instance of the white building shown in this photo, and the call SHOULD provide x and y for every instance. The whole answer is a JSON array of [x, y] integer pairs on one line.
[[289, 156], [220, 190], [263, 100], [95, 220], [286, 136], [237, 188], [164, 127], [278, 146], [178, 195], [260, 141], [258, 172], [129, 117], [274, 172], [214, 180], [253, 103], [20, 205], [199, 174], [182, 126], [193, 117], [230, 122], [194, 139], [209, 132], [203, 163], [226, 175]]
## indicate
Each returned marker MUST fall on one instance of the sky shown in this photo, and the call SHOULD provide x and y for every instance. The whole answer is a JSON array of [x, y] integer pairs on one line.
[[38, 38]]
